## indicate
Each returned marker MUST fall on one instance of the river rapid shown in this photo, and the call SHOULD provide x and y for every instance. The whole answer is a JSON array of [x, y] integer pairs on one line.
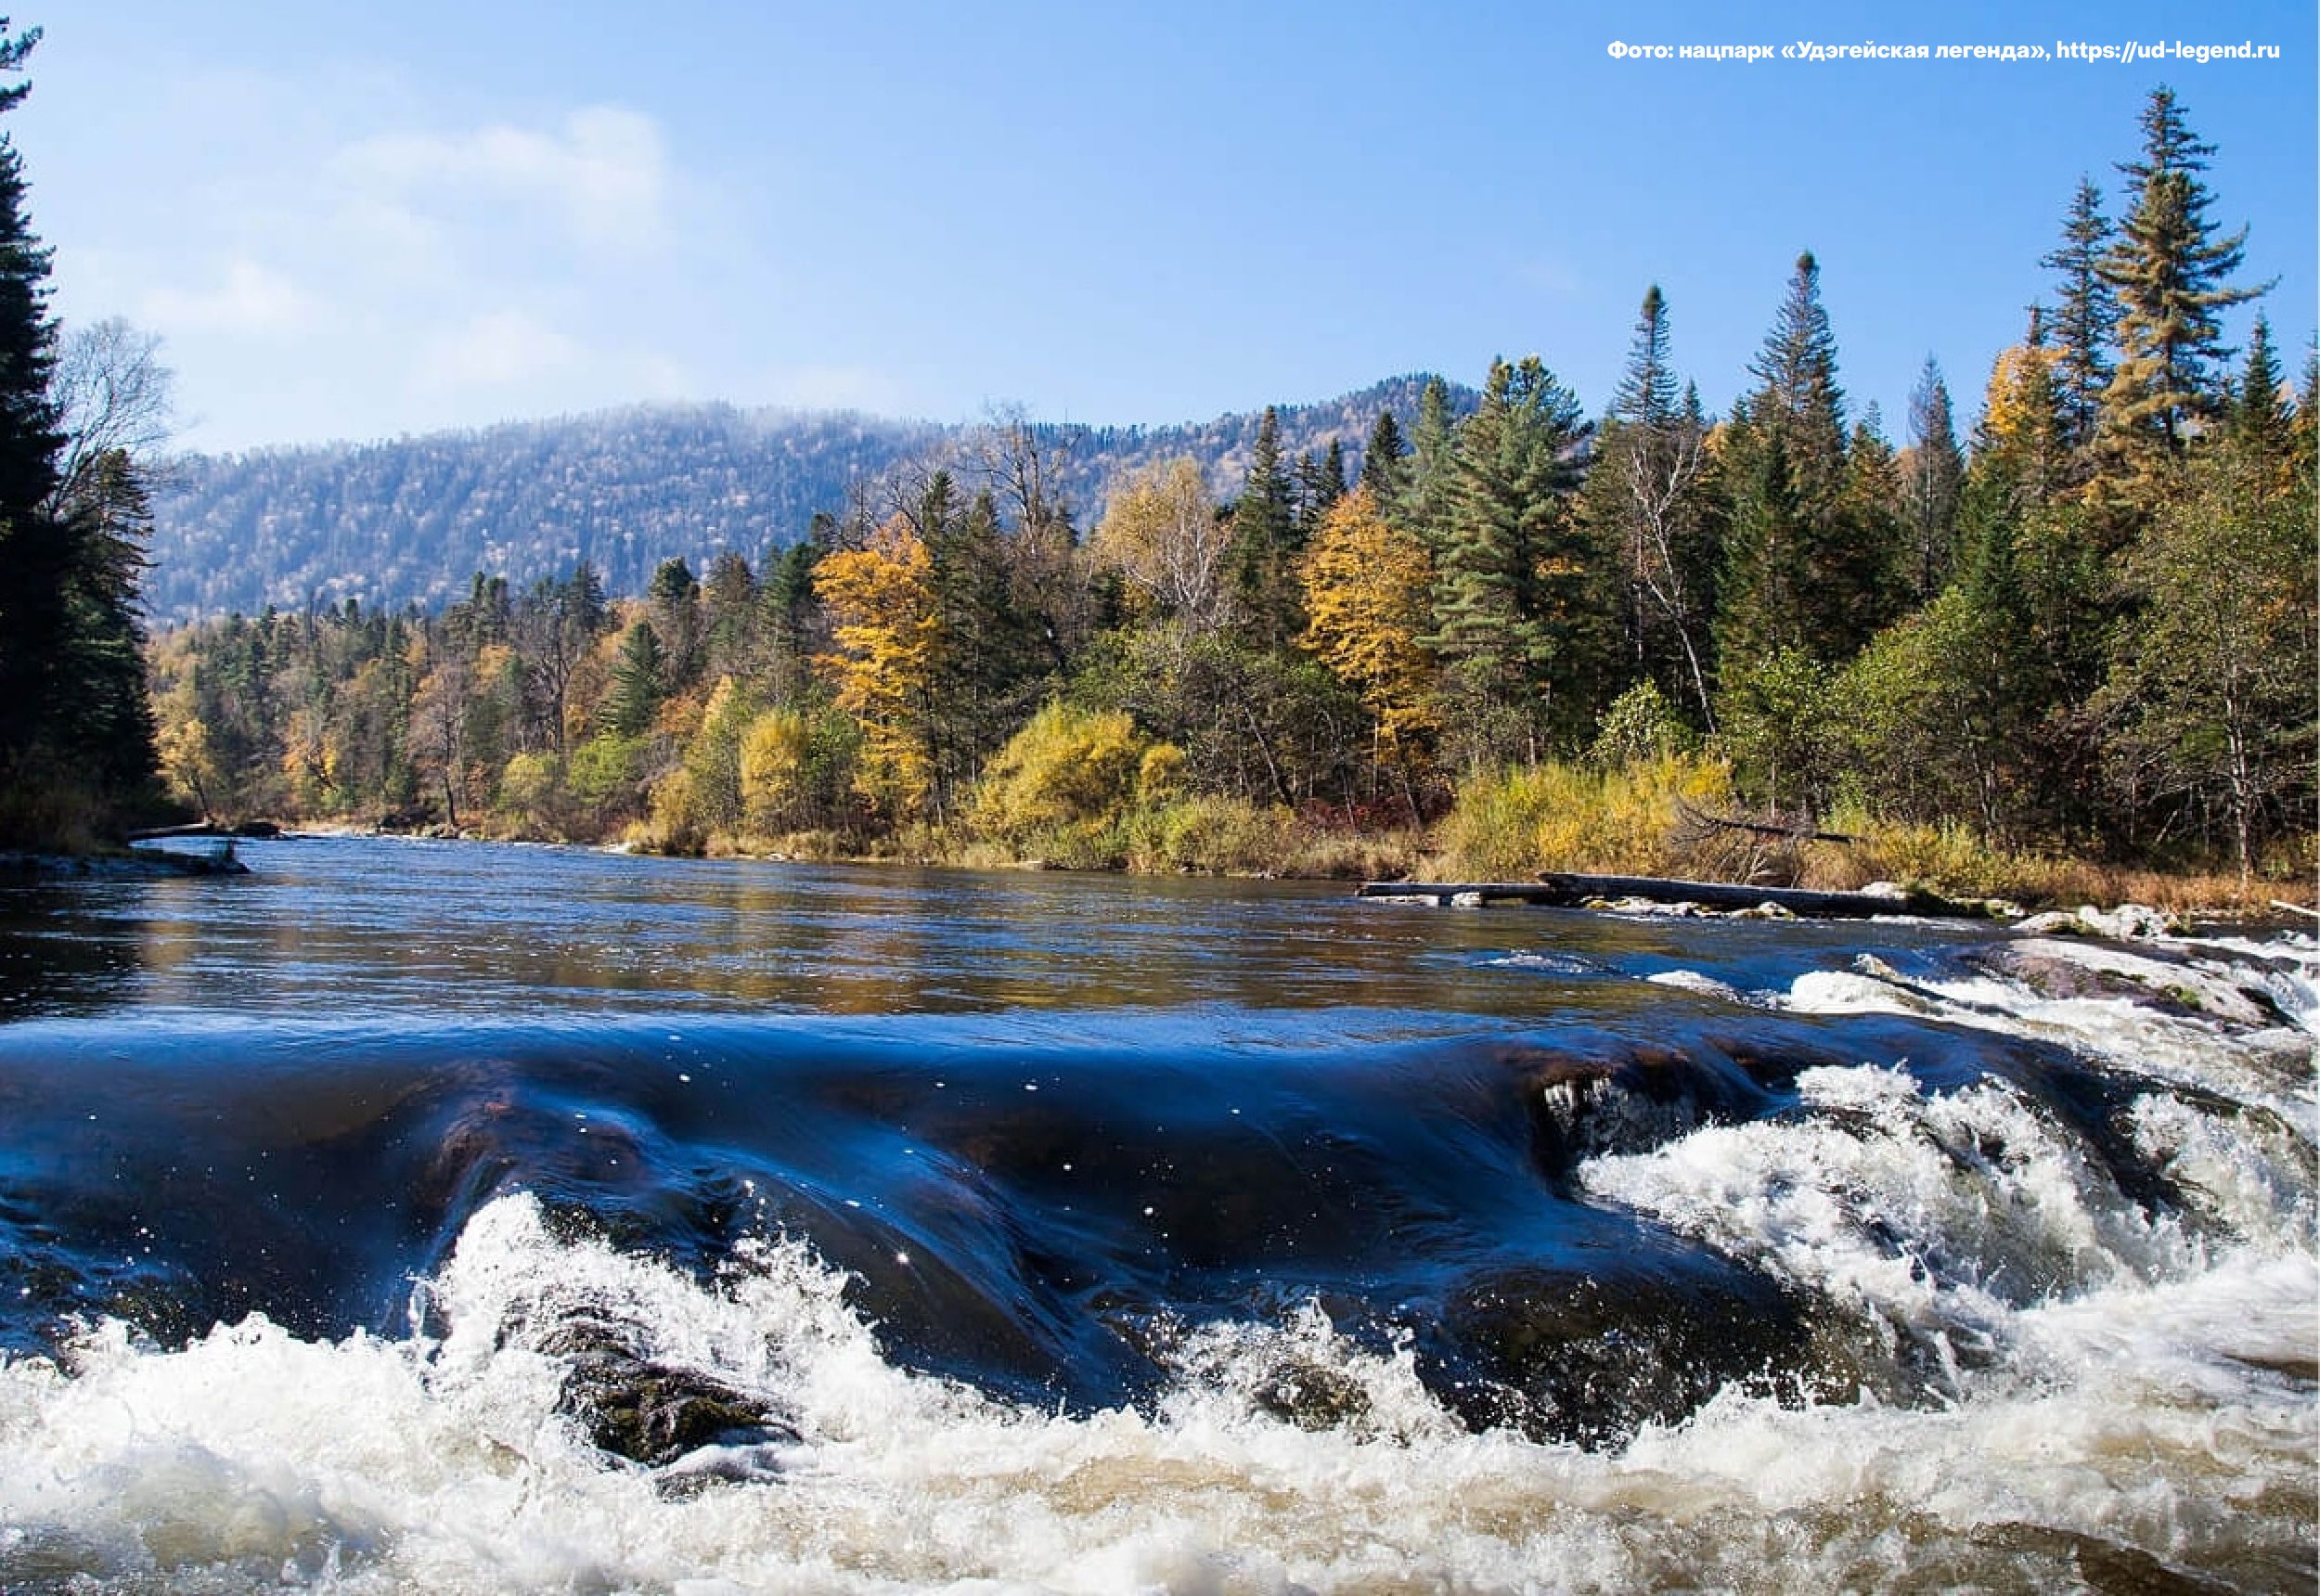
[[418, 1217]]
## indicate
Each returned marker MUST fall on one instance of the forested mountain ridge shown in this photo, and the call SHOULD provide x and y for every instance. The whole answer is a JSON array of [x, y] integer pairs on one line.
[[413, 520]]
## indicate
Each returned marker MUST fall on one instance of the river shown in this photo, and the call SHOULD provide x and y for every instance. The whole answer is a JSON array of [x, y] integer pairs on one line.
[[457, 1217]]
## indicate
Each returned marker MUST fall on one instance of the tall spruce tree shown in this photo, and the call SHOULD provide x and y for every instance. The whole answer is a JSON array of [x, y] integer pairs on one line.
[[2171, 271], [1646, 497], [1801, 571], [1516, 613], [1935, 474], [1385, 468], [2086, 311]]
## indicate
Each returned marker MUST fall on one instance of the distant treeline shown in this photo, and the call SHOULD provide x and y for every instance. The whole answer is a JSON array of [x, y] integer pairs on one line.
[[408, 519], [2088, 624]]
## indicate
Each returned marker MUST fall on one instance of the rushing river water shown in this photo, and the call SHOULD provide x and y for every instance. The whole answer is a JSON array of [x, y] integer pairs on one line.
[[449, 1217]]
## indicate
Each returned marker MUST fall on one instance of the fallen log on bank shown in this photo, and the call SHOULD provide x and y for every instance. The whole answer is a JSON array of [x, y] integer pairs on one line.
[[1564, 889]]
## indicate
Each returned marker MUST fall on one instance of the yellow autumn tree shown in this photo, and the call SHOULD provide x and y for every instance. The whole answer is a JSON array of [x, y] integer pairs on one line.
[[886, 624], [1163, 535], [2021, 421], [1366, 596]]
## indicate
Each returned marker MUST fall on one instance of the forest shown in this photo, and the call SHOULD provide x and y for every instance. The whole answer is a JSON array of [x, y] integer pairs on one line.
[[1497, 633], [410, 519]]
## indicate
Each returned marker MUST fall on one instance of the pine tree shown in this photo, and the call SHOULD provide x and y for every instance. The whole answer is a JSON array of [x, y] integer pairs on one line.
[[2171, 274], [2086, 311]]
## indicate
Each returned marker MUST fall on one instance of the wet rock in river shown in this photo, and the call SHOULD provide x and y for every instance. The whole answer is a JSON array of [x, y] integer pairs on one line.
[[1591, 1359], [649, 1412]]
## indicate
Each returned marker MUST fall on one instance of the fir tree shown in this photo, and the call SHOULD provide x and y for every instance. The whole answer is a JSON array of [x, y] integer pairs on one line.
[[1265, 534], [1803, 572], [1384, 471], [1515, 612], [2086, 311], [1935, 474], [2171, 274]]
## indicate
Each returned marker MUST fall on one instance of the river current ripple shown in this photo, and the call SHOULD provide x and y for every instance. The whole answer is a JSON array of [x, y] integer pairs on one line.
[[413, 1216]]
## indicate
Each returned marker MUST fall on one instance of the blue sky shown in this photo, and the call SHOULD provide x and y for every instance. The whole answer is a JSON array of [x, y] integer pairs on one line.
[[354, 221]]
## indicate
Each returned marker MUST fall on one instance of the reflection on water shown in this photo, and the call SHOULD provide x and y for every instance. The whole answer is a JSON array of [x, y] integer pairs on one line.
[[369, 926]]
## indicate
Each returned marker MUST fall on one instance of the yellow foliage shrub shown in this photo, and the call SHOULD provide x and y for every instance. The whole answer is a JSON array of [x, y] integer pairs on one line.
[[1627, 820], [1209, 834], [1067, 767]]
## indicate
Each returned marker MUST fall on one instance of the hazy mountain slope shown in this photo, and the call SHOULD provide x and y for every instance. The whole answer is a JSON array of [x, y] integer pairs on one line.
[[415, 519]]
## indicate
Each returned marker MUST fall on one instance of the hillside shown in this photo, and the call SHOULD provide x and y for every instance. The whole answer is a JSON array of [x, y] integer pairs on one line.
[[415, 519]]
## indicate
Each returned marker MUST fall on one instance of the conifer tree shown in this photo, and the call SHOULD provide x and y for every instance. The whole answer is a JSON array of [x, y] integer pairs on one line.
[[1424, 503], [2260, 425], [1385, 469], [2086, 311], [674, 601], [1646, 495], [639, 682], [1366, 589], [35, 554], [76, 736], [2021, 438], [110, 731], [1265, 536], [1801, 570], [2171, 274], [1517, 612], [1935, 474]]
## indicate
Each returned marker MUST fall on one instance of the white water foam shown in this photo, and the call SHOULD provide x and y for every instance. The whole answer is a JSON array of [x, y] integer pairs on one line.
[[2148, 1417], [2117, 1395]]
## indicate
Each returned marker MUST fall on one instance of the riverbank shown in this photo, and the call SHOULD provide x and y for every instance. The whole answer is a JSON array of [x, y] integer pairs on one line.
[[1278, 846]]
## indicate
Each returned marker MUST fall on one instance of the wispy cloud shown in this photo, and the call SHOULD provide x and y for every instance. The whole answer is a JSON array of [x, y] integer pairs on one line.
[[247, 297], [604, 170]]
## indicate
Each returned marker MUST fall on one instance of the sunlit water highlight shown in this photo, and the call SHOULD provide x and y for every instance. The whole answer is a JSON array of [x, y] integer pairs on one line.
[[1056, 1233]]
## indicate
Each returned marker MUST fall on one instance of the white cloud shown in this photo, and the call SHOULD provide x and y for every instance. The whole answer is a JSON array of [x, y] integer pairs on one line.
[[499, 349], [249, 297], [604, 170]]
